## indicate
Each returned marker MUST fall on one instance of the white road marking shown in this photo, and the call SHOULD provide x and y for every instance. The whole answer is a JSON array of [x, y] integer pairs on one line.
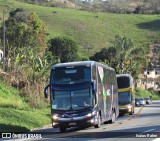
[[157, 139], [149, 130]]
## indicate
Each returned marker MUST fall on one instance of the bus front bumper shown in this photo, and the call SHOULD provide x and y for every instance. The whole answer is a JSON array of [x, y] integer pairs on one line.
[[125, 109], [75, 121]]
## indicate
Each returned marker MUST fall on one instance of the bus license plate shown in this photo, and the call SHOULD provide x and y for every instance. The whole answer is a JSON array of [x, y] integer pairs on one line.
[[72, 123]]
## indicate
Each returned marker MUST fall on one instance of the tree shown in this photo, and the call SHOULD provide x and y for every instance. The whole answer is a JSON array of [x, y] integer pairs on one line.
[[64, 48], [123, 56], [122, 45], [130, 58], [23, 30], [154, 5], [5, 5], [107, 55]]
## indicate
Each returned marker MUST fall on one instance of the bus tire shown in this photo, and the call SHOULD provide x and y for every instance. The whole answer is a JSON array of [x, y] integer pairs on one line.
[[62, 129], [113, 118], [98, 122]]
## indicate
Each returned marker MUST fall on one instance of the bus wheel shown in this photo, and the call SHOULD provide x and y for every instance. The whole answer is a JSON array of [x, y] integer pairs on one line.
[[98, 122], [113, 117], [62, 129]]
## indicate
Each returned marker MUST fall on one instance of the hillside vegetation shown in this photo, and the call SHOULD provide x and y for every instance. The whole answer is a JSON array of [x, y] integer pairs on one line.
[[16, 115], [93, 31], [113, 6], [141, 93]]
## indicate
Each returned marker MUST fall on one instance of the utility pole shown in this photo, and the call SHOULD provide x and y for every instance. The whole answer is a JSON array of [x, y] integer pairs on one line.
[[146, 79], [4, 43], [5, 6]]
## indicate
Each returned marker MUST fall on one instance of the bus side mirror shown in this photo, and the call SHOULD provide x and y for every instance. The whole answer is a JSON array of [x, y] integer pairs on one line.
[[46, 91], [94, 87]]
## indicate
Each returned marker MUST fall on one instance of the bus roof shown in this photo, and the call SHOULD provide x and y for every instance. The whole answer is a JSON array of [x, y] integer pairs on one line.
[[124, 81], [121, 75], [80, 63]]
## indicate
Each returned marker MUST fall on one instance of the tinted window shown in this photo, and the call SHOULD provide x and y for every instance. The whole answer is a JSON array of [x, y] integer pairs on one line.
[[71, 100], [123, 82], [70, 75], [124, 96]]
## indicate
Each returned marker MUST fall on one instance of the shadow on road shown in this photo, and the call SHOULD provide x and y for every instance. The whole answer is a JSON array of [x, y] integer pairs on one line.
[[126, 133], [12, 128]]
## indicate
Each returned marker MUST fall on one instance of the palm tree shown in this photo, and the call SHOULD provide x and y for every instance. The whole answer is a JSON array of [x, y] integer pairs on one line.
[[129, 58], [123, 46], [123, 56], [137, 61]]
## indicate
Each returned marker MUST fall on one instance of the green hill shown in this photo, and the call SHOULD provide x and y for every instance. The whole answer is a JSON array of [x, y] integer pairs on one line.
[[96, 30]]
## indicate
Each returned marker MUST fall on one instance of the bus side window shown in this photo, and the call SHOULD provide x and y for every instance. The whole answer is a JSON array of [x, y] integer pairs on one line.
[[87, 75], [94, 73], [109, 78]]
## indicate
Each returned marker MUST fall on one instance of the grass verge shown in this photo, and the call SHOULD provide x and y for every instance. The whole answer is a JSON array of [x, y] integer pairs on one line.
[[145, 93], [16, 115]]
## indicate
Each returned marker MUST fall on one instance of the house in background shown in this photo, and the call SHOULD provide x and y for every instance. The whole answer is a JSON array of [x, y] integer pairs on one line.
[[150, 77]]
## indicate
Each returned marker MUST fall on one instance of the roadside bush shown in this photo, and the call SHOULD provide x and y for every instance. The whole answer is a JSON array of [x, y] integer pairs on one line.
[[145, 93], [9, 98], [64, 48]]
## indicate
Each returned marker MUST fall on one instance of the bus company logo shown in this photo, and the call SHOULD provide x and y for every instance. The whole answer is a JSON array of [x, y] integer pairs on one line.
[[73, 115], [108, 92], [70, 116]]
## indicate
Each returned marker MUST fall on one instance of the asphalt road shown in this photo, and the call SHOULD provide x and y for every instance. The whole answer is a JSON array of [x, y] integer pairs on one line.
[[144, 125]]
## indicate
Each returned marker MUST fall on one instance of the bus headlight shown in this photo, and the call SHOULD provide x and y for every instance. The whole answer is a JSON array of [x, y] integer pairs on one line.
[[128, 106], [91, 114], [55, 116]]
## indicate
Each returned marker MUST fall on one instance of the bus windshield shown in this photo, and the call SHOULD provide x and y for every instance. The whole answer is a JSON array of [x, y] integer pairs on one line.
[[124, 97], [123, 82], [70, 75], [71, 100]]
